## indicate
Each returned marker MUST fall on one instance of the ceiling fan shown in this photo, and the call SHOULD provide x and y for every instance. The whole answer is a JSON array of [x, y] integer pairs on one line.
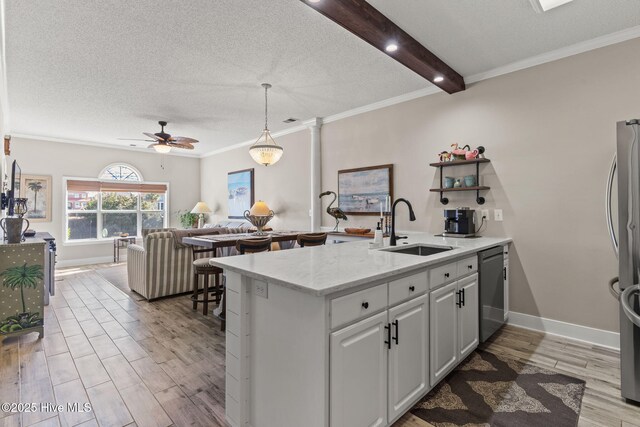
[[164, 142]]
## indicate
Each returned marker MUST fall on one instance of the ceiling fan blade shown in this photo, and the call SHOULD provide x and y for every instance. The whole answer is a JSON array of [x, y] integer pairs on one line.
[[135, 139], [186, 146], [183, 139], [152, 136]]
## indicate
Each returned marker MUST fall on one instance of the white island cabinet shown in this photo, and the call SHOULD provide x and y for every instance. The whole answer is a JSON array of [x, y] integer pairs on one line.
[[341, 335]]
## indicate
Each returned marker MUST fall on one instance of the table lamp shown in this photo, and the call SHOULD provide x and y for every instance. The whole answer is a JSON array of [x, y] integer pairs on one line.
[[259, 216], [200, 208]]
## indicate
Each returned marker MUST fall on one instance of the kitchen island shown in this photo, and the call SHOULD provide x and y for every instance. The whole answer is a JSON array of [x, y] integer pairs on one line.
[[345, 335]]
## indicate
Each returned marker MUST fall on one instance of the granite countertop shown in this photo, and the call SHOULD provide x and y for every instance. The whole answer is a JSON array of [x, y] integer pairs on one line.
[[322, 270]]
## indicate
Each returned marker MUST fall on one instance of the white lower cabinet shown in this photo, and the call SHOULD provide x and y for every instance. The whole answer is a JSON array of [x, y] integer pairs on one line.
[[454, 325], [443, 342], [408, 355], [358, 391], [468, 324]]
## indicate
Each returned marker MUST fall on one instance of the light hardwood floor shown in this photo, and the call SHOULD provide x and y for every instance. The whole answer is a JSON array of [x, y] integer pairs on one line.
[[161, 364]]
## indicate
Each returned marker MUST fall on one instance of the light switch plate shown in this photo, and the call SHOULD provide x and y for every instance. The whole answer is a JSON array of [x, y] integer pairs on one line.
[[261, 289], [497, 214]]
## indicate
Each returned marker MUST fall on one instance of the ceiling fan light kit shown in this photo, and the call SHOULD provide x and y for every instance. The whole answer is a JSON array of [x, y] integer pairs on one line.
[[161, 148], [265, 151], [163, 142]]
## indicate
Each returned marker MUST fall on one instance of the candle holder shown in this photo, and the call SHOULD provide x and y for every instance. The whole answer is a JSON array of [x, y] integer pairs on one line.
[[258, 221]]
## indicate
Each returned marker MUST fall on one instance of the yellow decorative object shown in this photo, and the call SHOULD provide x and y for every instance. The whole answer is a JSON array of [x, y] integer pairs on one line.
[[259, 208], [259, 216]]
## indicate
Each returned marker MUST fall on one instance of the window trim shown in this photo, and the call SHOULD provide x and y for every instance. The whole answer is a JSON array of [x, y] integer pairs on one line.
[[99, 239]]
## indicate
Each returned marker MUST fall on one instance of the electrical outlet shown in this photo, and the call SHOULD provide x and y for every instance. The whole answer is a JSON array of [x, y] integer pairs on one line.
[[497, 214], [485, 214], [261, 289]]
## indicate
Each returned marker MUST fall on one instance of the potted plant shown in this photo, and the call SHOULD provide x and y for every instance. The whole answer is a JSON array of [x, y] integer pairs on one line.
[[188, 219]]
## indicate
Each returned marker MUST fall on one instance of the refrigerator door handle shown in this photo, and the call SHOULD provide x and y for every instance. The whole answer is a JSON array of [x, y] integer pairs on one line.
[[612, 232], [625, 297], [615, 292]]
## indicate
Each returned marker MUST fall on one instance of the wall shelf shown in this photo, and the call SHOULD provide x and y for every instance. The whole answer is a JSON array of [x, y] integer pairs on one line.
[[477, 189]]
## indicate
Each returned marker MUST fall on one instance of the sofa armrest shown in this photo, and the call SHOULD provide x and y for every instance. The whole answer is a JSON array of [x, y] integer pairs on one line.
[[136, 269]]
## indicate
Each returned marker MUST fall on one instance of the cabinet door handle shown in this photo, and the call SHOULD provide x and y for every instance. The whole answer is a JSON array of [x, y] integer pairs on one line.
[[470, 267], [504, 270], [462, 296], [446, 275], [365, 305], [396, 324], [412, 288], [459, 301], [388, 341]]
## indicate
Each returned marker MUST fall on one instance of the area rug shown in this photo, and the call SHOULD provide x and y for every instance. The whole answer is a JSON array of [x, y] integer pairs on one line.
[[494, 390], [117, 276]]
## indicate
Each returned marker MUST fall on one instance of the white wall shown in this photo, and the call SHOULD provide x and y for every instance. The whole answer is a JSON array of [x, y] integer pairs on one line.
[[63, 160], [285, 186]]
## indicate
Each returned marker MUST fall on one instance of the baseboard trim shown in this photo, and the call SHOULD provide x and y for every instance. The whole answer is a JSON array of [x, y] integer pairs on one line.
[[572, 331], [86, 261]]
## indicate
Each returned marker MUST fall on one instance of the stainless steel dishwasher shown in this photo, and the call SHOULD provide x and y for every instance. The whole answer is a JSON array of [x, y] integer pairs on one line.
[[491, 267]]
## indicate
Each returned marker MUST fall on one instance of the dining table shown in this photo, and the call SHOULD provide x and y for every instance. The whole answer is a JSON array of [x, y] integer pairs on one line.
[[223, 244]]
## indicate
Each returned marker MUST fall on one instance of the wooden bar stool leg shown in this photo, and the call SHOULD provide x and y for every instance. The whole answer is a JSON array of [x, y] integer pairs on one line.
[[195, 292], [205, 295]]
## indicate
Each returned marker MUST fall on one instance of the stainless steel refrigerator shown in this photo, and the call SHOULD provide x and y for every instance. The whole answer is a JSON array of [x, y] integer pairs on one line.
[[624, 228]]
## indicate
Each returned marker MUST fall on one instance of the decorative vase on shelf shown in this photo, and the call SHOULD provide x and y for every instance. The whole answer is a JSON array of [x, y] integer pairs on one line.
[[259, 216]]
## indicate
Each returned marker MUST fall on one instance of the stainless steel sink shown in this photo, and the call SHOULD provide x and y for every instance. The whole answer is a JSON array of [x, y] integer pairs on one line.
[[420, 250]]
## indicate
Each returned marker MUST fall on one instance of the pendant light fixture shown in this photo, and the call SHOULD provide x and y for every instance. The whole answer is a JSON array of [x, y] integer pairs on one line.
[[265, 151]]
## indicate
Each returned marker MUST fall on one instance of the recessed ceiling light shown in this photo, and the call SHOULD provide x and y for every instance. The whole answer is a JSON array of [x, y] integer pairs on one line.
[[545, 5], [391, 47], [438, 79], [314, 1]]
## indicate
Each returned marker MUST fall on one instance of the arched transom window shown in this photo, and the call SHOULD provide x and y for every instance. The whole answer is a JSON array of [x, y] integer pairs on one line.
[[120, 172]]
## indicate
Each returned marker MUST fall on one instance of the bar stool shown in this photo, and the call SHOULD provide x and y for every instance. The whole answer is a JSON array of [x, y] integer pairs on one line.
[[201, 267], [243, 246], [312, 239]]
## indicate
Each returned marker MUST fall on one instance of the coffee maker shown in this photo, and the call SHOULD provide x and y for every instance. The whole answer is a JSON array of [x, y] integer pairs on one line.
[[459, 222]]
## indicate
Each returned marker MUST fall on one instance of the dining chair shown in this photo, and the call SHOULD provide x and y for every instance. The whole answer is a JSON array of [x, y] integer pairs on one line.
[[254, 245], [312, 239]]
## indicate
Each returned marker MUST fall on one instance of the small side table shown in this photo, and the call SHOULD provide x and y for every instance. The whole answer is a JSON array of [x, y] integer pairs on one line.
[[121, 242]]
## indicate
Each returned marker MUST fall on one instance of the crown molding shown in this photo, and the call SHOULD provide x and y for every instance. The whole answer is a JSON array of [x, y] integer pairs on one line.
[[596, 43], [554, 55], [289, 131], [101, 145]]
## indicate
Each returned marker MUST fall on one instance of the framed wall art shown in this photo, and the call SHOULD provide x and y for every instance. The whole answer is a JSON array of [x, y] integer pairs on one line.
[[362, 191], [240, 192], [37, 189]]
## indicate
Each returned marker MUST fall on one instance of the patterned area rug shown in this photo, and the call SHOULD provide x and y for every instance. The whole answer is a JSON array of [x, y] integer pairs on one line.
[[492, 390]]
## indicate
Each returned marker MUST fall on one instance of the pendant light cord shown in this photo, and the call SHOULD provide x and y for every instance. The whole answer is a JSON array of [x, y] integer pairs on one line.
[[265, 107]]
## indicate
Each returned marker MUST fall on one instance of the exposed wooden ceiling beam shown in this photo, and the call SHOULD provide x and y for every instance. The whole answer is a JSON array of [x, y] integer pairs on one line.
[[366, 22]]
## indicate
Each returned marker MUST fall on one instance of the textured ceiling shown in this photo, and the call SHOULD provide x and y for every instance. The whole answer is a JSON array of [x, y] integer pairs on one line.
[[98, 70]]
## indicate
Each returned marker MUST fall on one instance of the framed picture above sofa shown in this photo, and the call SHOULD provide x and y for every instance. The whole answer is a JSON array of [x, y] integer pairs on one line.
[[240, 192]]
